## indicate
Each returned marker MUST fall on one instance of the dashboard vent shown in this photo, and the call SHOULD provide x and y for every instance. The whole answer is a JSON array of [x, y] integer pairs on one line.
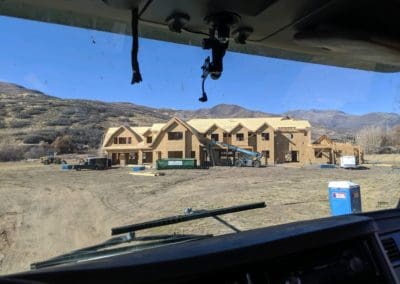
[[391, 249]]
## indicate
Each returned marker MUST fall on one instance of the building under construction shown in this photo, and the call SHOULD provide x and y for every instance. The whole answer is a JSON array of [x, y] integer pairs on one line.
[[278, 139]]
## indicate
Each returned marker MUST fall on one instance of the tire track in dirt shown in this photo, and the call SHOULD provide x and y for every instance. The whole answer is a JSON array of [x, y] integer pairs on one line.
[[8, 224], [127, 201]]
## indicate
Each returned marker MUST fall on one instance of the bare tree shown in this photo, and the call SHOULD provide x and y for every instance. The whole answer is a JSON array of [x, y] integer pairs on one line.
[[371, 139]]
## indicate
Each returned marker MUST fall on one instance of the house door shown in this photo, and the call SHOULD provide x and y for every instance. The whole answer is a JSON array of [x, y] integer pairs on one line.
[[295, 156], [147, 158], [265, 157], [133, 158], [114, 159]]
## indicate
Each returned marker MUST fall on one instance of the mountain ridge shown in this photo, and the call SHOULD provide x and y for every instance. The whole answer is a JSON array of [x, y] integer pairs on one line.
[[30, 115]]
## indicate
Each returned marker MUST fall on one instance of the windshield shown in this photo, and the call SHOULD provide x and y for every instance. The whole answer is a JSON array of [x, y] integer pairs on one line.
[[83, 151]]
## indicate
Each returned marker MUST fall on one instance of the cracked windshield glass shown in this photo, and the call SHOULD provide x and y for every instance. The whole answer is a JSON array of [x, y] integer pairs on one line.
[[83, 151]]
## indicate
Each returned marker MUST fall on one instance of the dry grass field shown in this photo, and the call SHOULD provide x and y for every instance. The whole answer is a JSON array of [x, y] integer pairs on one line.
[[45, 211]]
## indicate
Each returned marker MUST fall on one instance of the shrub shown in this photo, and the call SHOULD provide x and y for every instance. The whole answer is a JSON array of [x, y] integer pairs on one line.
[[123, 120], [17, 108], [64, 144], [34, 111], [33, 139], [19, 123], [22, 115], [47, 135], [38, 151], [40, 108], [11, 152], [60, 121], [20, 134], [69, 111], [86, 136]]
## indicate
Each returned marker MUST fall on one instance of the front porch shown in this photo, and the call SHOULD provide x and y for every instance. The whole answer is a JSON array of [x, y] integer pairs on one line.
[[131, 157]]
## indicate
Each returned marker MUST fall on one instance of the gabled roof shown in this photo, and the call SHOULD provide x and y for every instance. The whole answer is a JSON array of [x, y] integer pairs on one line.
[[140, 129], [178, 121], [322, 138], [157, 126], [109, 133], [239, 125], [113, 130], [253, 124]]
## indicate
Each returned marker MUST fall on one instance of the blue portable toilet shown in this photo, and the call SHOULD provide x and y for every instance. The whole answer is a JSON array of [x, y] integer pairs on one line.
[[344, 197]]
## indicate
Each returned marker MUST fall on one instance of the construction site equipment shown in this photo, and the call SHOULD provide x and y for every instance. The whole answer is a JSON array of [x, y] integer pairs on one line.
[[348, 162], [344, 197], [94, 163], [165, 164], [246, 158], [50, 159]]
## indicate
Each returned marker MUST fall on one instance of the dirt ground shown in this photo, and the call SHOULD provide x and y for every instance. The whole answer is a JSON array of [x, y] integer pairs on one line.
[[45, 211]]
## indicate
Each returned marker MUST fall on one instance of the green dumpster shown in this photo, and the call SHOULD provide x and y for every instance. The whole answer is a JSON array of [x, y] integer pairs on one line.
[[165, 164]]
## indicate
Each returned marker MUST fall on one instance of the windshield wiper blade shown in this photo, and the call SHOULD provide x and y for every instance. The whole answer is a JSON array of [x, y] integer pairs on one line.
[[96, 250], [104, 249], [185, 218]]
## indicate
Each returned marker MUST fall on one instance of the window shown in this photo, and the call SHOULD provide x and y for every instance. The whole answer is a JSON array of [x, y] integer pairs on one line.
[[239, 137], [175, 154], [175, 135], [249, 134], [149, 139], [265, 136], [225, 134], [266, 154], [115, 140], [192, 154], [305, 133], [122, 140], [129, 140], [214, 136], [318, 153]]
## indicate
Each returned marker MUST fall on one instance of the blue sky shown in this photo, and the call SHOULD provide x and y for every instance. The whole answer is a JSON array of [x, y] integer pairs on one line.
[[78, 63]]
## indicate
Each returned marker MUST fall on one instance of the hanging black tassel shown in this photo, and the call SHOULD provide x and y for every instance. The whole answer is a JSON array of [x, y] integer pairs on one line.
[[136, 76]]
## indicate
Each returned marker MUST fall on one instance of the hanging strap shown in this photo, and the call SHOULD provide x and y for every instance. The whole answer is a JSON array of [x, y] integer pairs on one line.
[[136, 76]]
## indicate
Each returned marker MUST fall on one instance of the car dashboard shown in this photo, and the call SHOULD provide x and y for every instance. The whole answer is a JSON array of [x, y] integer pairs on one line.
[[362, 248]]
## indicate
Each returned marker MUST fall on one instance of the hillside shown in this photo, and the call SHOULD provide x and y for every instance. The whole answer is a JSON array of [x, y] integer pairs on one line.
[[340, 121], [30, 116]]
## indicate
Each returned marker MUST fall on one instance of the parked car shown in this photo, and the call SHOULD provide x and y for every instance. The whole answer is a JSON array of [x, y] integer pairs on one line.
[[94, 163]]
